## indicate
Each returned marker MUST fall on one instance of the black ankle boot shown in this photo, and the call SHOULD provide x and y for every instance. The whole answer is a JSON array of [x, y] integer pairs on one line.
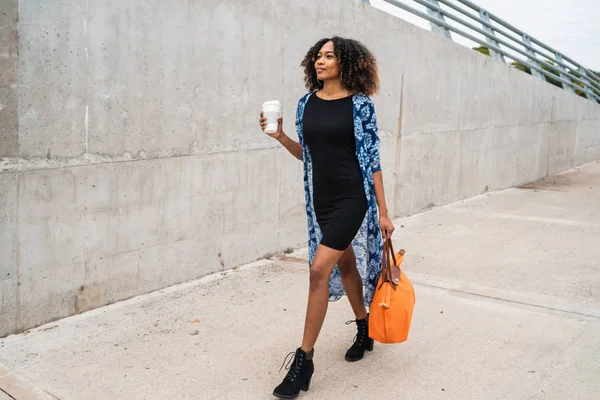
[[300, 372], [362, 341]]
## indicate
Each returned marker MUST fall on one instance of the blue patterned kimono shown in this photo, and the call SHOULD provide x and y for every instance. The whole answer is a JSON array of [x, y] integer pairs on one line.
[[367, 244]]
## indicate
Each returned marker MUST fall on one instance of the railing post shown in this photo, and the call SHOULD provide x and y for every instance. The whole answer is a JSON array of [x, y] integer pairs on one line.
[[558, 57], [532, 58], [588, 85], [486, 17], [435, 28], [586, 81]]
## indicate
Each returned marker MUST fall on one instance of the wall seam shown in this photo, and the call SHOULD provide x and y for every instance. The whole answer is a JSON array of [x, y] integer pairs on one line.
[[87, 77], [396, 173], [17, 319]]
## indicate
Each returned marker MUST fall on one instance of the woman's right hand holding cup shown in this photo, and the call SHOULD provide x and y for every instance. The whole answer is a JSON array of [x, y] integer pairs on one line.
[[263, 125], [270, 119]]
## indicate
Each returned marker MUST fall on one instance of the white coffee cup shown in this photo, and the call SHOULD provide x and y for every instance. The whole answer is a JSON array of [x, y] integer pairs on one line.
[[271, 111]]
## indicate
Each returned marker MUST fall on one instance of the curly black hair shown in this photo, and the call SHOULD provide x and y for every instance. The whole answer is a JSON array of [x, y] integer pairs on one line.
[[357, 63]]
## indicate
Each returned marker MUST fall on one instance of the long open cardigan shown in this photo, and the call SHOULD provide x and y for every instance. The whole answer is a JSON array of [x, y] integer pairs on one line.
[[367, 244]]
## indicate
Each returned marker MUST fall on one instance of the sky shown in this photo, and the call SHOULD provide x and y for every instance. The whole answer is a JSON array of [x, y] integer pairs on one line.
[[571, 27]]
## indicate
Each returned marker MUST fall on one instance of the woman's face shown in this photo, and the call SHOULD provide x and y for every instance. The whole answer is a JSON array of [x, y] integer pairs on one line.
[[326, 64]]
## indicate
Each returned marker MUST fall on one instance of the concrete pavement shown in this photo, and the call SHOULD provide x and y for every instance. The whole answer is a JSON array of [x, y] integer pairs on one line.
[[508, 307]]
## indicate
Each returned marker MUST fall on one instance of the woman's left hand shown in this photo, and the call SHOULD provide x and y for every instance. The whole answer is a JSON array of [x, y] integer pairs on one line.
[[387, 227]]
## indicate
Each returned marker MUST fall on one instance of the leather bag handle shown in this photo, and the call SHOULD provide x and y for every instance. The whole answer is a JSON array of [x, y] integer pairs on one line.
[[393, 267]]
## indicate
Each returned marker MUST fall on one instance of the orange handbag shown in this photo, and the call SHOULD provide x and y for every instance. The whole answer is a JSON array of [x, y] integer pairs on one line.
[[394, 300]]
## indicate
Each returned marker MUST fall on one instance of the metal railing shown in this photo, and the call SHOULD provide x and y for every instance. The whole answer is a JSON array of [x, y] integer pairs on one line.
[[543, 61]]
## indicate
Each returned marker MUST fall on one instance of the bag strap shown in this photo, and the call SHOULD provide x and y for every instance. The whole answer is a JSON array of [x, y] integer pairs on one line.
[[385, 257], [392, 253], [388, 260], [393, 271], [385, 276]]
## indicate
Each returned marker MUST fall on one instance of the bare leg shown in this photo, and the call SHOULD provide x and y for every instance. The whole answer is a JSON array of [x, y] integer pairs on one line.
[[318, 294], [352, 283]]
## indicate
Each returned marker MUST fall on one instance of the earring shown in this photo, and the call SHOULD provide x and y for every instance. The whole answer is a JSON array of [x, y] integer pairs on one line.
[[341, 76], [319, 82]]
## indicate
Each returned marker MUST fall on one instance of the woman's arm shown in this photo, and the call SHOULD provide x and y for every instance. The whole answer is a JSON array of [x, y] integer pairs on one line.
[[292, 146], [385, 223], [380, 193]]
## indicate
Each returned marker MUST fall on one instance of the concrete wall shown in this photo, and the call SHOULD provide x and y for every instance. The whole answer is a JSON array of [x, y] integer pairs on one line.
[[132, 159]]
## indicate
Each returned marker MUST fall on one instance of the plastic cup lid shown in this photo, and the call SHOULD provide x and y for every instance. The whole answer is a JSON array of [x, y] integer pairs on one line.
[[272, 102]]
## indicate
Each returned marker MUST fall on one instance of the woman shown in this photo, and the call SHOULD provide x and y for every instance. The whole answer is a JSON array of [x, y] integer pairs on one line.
[[338, 143]]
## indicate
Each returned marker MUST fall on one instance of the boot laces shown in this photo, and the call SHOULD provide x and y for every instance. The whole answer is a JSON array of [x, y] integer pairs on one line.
[[294, 369], [362, 331]]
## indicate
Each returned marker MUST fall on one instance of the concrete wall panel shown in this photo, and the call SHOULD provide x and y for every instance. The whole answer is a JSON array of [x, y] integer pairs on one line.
[[432, 95], [566, 107], [47, 294], [562, 141], [53, 79], [9, 140], [496, 158], [426, 177], [292, 210], [8, 253], [592, 111], [588, 141]]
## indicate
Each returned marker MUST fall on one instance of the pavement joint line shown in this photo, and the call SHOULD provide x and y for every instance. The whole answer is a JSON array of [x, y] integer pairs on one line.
[[22, 386], [6, 393], [507, 300], [455, 203], [595, 316], [560, 221]]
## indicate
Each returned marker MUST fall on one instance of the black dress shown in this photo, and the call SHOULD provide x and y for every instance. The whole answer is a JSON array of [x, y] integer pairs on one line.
[[338, 192]]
